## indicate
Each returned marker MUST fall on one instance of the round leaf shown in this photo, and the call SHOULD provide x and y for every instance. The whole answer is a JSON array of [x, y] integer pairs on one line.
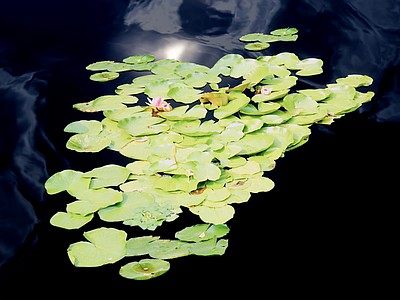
[[259, 46], [87, 143], [144, 269], [106, 246], [70, 220], [219, 215], [104, 76], [206, 171]]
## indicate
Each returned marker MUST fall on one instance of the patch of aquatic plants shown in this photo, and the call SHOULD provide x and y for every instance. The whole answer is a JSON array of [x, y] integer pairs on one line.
[[179, 159]]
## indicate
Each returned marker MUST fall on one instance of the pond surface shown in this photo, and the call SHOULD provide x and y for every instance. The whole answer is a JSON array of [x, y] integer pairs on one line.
[[332, 196]]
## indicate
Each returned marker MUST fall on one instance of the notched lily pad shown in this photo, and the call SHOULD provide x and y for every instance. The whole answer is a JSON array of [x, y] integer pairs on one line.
[[144, 269], [87, 143], [70, 220], [104, 76]]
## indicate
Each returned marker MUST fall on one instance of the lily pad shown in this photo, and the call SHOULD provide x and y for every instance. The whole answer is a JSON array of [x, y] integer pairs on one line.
[[206, 171], [67, 180], [140, 245], [278, 84], [138, 59], [109, 175], [317, 94], [202, 232], [90, 201], [84, 127], [159, 88], [184, 94], [210, 247], [125, 209], [233, 106], [170, 249], [258, 46], [184, 69], [142, 125], [70, 220], [100, 65], [144, 269], [228, 60], [299, 103], [263, 109], [284, 31], [219, 215], [273, 96], [252, 37], [356, 80], [87, 143], [182, 113], [284, 59], [200, 79], [244, 67], [105, 246], [104, 76]]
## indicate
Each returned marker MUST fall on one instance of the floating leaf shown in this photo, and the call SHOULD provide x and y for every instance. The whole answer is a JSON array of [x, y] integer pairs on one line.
[[70, 220], [285, 58], [84, 127], [184, 94], [317, 95], [278, 84], [257, 74], [228, 60], [299, 103], [284, 31], [200, 79], [142, 125], [90, 201], [125, 209], [252, 37], [244, 67], [308, 67], [202, 232], [219, 215], [216, 98], [233, 106], [250, 168], [259, 46], [210, 247], [104, 76], [138, 59], [144, 269], [109, 175], [67, 180], [140, 245], [87, 143], [170, 249], [158, 88], [206, 171], [196, 128], [100, 65], [254, 142], [273, 96], [263, 108], [260, 184], [106, 246], [356, 80], [277, 117], [184, 69], [181, 113]]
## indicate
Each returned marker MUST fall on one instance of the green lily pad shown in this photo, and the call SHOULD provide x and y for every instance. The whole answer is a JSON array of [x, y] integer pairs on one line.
[[284, 59], [104, 76], [254, 142], [159, 88], [202, 232], [142, 125], [105, 246], [112, 102], [210, 247], [263, 109], [196, 128], [84, 127], [250, 168], [70, 220], [257, 74], [100, 65], [228, 60], [317, 95], [308, 67], [276, 117], [67, 180], [141, 245], [184, 94], [273, 96], [356, 80], [206, 171], [200, 79], [182, 113], [184, 69], [138, 59], [258, 46], [284, 31], [233, 106], [138, 148], [170, 249], [260, 184], [252, 37], [90, 201], [218, 215], [244, 67], [279, 84], [87, 143], [125, 209], [144, 269], [299, 103], [109, 175]]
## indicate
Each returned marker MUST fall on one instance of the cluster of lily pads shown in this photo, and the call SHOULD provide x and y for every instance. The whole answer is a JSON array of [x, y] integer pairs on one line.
[[179, 159]]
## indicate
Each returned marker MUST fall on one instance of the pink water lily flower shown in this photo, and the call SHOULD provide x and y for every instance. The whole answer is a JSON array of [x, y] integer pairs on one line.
[[266, 91], [159, 104]]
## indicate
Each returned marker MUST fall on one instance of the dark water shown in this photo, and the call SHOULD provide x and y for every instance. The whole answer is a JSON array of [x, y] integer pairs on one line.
[[328, 221]]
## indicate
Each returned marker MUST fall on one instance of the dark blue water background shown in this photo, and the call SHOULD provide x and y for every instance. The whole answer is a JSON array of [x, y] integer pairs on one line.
[[325, 223]]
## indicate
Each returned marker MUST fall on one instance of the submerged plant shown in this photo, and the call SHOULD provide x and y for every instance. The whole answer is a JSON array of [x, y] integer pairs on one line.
[[179, 159]]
